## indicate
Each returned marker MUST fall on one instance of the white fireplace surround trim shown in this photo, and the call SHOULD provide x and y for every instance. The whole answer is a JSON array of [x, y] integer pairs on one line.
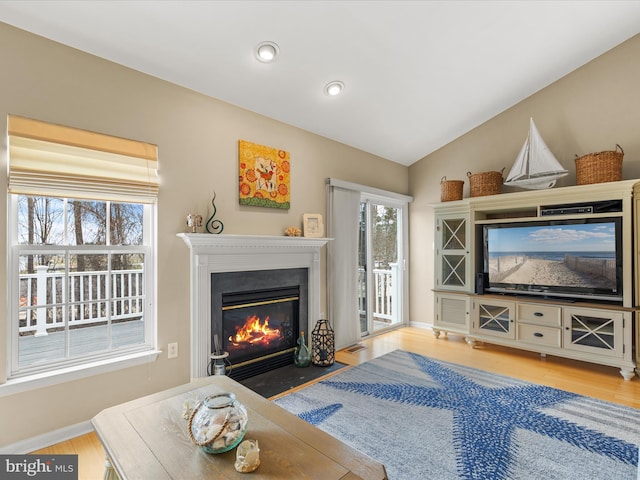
[[237, 253]]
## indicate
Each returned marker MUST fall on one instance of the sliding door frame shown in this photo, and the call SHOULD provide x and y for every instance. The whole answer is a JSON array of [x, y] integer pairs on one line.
[[390, 199]]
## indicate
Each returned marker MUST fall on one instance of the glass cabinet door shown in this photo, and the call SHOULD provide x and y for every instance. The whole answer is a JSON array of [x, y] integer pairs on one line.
[[454, 234], [596, 331], [494, 317], [453, 258]]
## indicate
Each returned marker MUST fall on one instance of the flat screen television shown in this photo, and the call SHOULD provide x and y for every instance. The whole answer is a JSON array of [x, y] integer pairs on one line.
[[577, 258]]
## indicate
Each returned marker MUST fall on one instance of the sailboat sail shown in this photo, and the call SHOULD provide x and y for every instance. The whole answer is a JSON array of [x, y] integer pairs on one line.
[[535, 166]]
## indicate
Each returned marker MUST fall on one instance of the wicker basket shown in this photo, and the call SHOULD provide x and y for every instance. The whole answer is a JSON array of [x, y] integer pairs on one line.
[[486, 183], [450, 189], [599, 167]]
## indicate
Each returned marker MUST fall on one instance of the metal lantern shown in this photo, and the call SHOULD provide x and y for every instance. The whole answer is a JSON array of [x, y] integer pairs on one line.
[[322, 344]]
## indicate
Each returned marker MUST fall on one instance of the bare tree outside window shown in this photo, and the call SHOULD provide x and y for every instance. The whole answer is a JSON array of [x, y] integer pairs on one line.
[[126, 224], [385, 236], [40, 220]]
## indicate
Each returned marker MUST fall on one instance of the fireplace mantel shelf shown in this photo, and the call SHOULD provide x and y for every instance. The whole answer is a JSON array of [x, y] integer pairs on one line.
[[203, 241], [212, 253]]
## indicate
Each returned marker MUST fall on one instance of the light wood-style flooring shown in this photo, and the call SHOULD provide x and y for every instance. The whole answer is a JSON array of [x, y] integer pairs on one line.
[[583, 378]]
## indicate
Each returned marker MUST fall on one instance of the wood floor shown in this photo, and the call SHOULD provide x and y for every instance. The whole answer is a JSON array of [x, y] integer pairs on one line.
[[584, 378]]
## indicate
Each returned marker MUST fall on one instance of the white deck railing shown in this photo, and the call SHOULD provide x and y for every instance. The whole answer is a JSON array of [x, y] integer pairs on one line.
[[42, 298], [385, 293]]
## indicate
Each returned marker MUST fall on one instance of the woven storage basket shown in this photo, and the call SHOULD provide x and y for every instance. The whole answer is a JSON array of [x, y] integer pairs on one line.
[[485, 183], [600, 167], [450, 189]]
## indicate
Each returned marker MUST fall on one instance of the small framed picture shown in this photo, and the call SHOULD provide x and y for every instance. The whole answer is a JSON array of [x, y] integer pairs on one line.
[[312, 225]]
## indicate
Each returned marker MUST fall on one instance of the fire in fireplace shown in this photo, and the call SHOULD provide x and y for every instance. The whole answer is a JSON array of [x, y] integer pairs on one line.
[[260, 325], [254, 332], [259, 320]]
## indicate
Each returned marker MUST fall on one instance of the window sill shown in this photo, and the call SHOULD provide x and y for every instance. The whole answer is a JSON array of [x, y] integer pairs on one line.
[[32, 382]]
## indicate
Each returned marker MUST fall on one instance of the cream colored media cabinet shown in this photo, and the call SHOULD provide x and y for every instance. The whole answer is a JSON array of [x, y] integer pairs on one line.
[[579, 328]]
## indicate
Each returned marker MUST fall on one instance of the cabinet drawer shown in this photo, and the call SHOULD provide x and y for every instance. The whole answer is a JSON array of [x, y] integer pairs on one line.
[[540, 314], [539, 335]]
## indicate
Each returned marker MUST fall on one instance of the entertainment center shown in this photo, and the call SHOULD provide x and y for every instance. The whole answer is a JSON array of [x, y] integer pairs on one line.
[[552, 271]]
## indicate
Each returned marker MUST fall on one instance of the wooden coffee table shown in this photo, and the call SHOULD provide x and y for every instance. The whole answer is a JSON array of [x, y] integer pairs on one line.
[[147, 439]]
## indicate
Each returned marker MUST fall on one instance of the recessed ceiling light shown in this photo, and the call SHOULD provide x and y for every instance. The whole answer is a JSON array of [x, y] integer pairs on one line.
[[267, 51], [334, 88]]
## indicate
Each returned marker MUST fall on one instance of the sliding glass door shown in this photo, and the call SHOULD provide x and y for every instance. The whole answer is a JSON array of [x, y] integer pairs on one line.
[[366, 260], [380, 265]]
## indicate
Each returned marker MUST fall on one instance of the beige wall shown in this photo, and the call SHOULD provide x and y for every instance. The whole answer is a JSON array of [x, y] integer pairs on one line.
[[589, 110], [197, 138]]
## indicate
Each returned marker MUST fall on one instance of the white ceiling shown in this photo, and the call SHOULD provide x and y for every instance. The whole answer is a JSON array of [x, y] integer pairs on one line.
[[418, 74]]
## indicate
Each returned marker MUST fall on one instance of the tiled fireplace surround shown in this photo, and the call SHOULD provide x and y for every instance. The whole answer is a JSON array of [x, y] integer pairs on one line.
[[237, 253]]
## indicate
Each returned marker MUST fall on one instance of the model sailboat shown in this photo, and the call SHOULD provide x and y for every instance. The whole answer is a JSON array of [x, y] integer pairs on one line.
[[535, 167]]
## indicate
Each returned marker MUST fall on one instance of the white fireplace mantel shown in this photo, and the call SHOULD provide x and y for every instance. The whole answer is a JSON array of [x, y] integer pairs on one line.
[[211, 253]]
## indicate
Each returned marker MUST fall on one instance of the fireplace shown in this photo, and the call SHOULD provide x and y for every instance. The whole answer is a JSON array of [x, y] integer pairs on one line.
[[213, 254], [257, 317]]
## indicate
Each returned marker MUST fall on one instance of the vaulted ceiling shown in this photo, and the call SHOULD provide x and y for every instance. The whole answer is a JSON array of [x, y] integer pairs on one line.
[[417, 74]]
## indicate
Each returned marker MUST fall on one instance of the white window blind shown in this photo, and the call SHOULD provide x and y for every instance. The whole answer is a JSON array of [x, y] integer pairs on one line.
[[54, 160]]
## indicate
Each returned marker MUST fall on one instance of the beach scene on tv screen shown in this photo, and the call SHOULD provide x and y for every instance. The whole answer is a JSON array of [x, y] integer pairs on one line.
[[580, 255]]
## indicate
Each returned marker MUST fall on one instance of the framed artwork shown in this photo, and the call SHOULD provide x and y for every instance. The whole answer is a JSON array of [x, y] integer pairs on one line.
[[312, 225], [265, 176]]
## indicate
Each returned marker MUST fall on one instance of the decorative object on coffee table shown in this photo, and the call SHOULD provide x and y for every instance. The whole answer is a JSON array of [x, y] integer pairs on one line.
[[219, 423], [214, 225], [247, 456], [322, 344]]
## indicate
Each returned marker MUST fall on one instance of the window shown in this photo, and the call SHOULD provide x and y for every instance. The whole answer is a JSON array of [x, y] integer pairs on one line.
[[82, 248]]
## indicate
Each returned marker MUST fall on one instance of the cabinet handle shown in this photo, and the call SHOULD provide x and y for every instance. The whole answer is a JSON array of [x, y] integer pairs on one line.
[[539, 314], [538, 334]]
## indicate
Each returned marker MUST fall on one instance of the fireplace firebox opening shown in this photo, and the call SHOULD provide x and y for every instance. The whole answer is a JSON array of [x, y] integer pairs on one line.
[[258, 316]]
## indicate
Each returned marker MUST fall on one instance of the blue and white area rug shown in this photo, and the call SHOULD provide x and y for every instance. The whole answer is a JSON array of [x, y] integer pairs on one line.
[[428, 419]]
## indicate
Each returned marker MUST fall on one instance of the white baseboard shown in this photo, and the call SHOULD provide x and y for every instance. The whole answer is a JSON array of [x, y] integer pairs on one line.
[[426, 326], [46, 439]]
